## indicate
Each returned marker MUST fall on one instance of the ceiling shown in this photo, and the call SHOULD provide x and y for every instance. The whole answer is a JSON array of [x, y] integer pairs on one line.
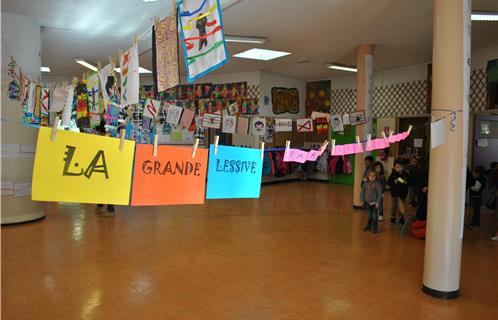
[[322, 30]]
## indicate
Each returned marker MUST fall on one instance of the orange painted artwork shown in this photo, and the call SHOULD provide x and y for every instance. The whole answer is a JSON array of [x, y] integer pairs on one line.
[[172, 177]]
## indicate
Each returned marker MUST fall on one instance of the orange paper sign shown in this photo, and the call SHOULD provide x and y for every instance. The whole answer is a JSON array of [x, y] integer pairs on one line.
[[172, 177]]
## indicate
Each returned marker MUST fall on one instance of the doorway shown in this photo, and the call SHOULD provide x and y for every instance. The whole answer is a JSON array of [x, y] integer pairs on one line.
[[485, 140]]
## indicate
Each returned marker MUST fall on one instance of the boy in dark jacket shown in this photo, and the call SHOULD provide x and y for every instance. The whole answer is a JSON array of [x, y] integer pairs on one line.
[[398, 183], [371, 194], [476, 196]]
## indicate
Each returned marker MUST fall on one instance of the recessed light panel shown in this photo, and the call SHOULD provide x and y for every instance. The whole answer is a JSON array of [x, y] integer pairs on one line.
[[261, 54]]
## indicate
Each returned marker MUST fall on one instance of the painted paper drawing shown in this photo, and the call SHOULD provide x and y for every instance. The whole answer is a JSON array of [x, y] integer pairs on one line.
[[283, 125], [129, 76], [318, 96], [202, 33], [304, 125], [284, 100], [151, 108], [166, 32], [174, 115], [229, 124], [258, 126], [242, 125], [212, 120]]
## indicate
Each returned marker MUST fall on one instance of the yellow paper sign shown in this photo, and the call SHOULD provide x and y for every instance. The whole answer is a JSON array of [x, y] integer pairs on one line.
[[84, 168]]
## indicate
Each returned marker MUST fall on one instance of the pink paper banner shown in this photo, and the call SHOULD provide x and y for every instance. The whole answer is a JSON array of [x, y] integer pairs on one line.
[[295, 155], [338, 150], [357, 148], [348, 148], [313, 155]]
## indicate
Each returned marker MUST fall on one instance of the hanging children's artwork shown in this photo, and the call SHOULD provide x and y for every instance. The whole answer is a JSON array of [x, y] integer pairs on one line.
[[242, 125], [336, 122], [68, 105], [357, 118], [229, 124], [129, 76], [202, 33], [151, 108], [234, 173], [322, 125], [82, 119], [31, 98], [304, 125], [172, 177], [166, 32], [345, 119], [258, 126], [269, 131], [93, 90], [174, 115], [318, 96], [105, 83], [187, 118], [37, 109], [211, 120], [284, 100], [58, 99], [45, 106], [84, 168], [250, 106], [283, 125]]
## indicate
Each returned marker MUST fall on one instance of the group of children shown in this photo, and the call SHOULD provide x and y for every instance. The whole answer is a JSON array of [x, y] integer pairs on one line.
[[374, 186]]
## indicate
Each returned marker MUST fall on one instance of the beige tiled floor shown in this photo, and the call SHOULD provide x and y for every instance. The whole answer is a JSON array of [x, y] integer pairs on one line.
[[298, 252]]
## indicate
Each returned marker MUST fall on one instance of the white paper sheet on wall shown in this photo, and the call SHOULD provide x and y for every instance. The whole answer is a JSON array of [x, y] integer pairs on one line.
[[482, 143], [438, 134], [418, 143]]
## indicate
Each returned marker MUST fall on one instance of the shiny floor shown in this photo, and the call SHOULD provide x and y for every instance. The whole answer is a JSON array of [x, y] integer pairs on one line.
[[298, 252]]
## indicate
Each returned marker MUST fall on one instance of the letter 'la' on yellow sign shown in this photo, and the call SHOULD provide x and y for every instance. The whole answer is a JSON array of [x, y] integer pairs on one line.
[[80, 167]]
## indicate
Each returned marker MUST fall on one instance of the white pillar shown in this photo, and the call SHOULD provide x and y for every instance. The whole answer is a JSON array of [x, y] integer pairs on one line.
[[21, 39], [448, 163]]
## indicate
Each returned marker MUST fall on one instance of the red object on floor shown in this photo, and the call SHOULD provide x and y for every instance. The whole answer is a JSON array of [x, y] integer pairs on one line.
[[418, 229]]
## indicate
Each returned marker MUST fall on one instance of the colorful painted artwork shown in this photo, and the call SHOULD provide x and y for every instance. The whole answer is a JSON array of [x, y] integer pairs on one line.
[[258, 126], [304, 125], [284, 100], [318, 96], [93, 90], [172, 177], [151, 108], [270, 130], [322, 125], [129, 76], [166, 32], [107, 81], [234, 173], [45, 106], [83, 168]]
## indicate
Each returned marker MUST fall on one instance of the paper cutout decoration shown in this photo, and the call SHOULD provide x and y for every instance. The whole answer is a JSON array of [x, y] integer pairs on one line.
[[348, 148], [357, 118], [172, 177], [151, 108], [284, 100], [187, 118], [129, 76], [357, 148], [202, 33], [93, 90], [258, 126], [304, 125], [295, 155], [83, 168], [58, 99], [336, 122], [438, 133], [166, 32], [31, 98], [211, 120], [174, 115], [376, 144], [269, 131], [283, 125], [68, 105], [229, 124], [234, 173], [322, 125], [242, 125], [316, 114], [45, 102], [104, 74], [338, 150], [345, 120]]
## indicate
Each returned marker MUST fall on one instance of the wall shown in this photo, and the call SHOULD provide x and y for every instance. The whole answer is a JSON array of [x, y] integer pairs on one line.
[[20, 38], [270, 80]]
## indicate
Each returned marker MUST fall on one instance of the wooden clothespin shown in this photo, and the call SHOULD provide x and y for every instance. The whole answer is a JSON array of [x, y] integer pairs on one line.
[[216, 141], [156, 139], [122, 139], [358, 139], [262, 149], [54, 129], [324, 144], [333, 147], [99, 65], [287, 145], [196, 145], [410, 129], [391, 133], [384, 135], [369, 137], [75, 81]]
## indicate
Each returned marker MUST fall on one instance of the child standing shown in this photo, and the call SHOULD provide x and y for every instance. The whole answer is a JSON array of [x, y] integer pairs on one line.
[[381, 178], [476, 196], [371, 194], [398, 182]]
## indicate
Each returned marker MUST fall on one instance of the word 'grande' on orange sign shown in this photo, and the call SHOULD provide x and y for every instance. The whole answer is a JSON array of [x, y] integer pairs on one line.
[[172, 177]]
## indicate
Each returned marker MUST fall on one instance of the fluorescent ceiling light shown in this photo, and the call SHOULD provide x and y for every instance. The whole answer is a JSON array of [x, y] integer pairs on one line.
[[242, 39], [484, 16], [140, 70], [45, 69], [341, 67], [86, 64], [148, 1], [261, 54]]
